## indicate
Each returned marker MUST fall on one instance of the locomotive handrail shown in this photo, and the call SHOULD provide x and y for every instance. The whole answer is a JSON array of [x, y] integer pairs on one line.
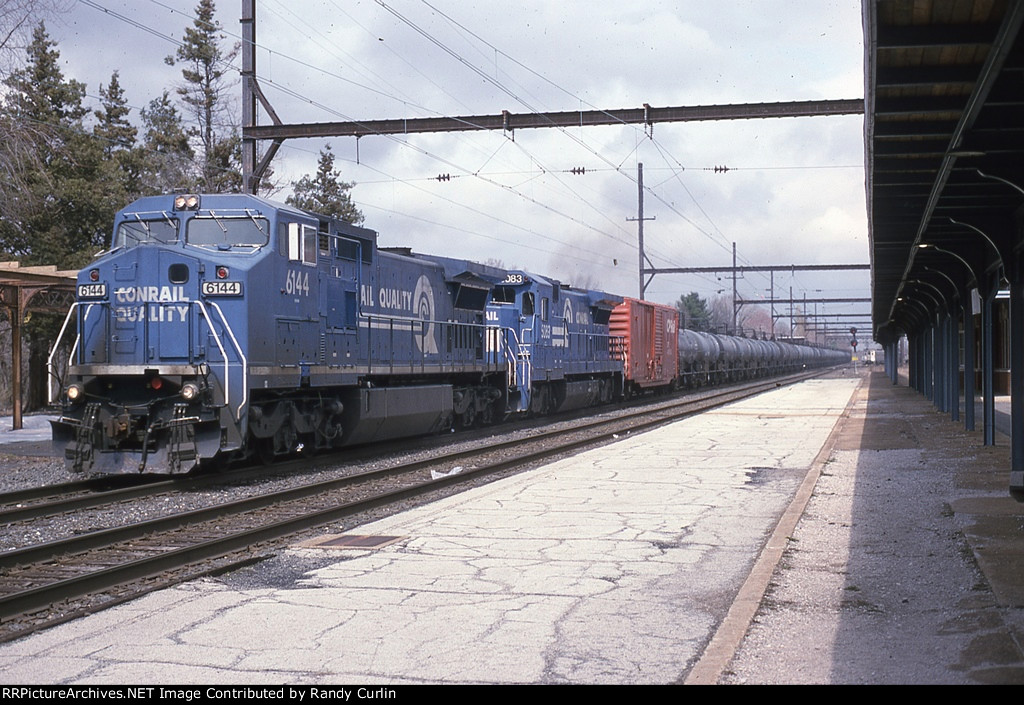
[[51, 375], [519, 359], [387, 322], [243, 361], [516, 354]]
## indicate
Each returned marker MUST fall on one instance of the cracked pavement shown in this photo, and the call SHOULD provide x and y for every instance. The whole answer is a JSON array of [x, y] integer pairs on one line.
[[613, 566]]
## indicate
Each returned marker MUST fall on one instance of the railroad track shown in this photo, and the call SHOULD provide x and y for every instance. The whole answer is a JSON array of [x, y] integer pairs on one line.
[[49, 500], [52, 582], [98, 493]]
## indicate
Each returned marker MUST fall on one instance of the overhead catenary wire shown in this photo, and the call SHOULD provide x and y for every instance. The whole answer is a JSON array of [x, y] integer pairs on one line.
[[497, 84], [403, 143], [548, 173]]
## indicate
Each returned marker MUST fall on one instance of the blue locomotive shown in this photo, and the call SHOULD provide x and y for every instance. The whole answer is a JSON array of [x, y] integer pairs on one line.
[[564, 352], [228, 325], [552, 339], [219, 327]]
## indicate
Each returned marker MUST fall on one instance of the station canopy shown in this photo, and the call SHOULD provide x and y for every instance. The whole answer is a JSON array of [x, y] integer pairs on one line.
[[944, 143]]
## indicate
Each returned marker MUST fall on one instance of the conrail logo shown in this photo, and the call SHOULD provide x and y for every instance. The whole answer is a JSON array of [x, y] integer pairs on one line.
[[566, 320], [151, 295], [416, 304], [162, 294], [423, 301]]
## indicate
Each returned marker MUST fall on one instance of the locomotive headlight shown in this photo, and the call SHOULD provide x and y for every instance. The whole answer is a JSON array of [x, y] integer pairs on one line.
[[189, 391], [189, 202], [74, 392], [94, 275]]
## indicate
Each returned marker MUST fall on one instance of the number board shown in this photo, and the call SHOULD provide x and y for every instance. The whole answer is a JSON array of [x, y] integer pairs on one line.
[[92, 291], [225, 288]]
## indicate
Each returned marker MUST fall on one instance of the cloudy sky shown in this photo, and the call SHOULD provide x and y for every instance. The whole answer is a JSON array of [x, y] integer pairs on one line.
[[794, 193]]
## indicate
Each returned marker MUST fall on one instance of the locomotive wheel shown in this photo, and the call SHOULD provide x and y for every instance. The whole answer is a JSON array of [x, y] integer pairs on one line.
[[309, 445], [466, 401], [487, 415], [264, 448], [541, 401]]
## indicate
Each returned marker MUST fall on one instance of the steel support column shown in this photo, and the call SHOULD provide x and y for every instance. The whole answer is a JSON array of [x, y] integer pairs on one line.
[[953, 364], [928, 363], [892, 360], [966, 305], [939, 365], [988, 401], [1017, 377], [17, 316], [917, 363], [914, 362]]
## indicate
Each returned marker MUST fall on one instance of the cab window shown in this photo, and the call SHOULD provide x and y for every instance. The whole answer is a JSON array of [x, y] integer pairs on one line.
[[303, 242], [161, 231], [222, 232]]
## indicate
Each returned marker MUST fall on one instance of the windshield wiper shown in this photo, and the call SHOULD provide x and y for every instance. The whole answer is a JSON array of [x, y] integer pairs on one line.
[[254, 221], [217, 221], [144, 224]]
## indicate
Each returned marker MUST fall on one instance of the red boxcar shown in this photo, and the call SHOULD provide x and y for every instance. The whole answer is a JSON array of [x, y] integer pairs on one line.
[[649, 348]]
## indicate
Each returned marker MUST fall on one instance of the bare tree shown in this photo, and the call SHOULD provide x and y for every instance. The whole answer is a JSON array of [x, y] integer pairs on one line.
[[720, 308], [18, 138], [755, 320], [17, 20]]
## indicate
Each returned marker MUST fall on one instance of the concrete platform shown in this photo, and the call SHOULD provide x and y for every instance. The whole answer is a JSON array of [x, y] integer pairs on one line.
[[32, 439], [882, 533], [907, 565]]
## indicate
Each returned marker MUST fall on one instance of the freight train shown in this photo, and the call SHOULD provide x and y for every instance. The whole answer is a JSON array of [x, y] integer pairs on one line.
[[222, 327]]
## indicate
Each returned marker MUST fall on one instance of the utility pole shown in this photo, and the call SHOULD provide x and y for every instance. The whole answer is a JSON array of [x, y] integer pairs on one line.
[[640, 225], [804, 312], [253, 166], [248, 94], [734, 288], [792, 326], [642, 285]]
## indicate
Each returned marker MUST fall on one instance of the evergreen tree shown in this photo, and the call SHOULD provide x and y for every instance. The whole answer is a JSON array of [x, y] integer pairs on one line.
[[165, 155], [117, 139], [56, 207], [224, 163], [204, 94], [40, 90], [58, 202], [112, 124], [693, 311], [326, 193], [17, 20]]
